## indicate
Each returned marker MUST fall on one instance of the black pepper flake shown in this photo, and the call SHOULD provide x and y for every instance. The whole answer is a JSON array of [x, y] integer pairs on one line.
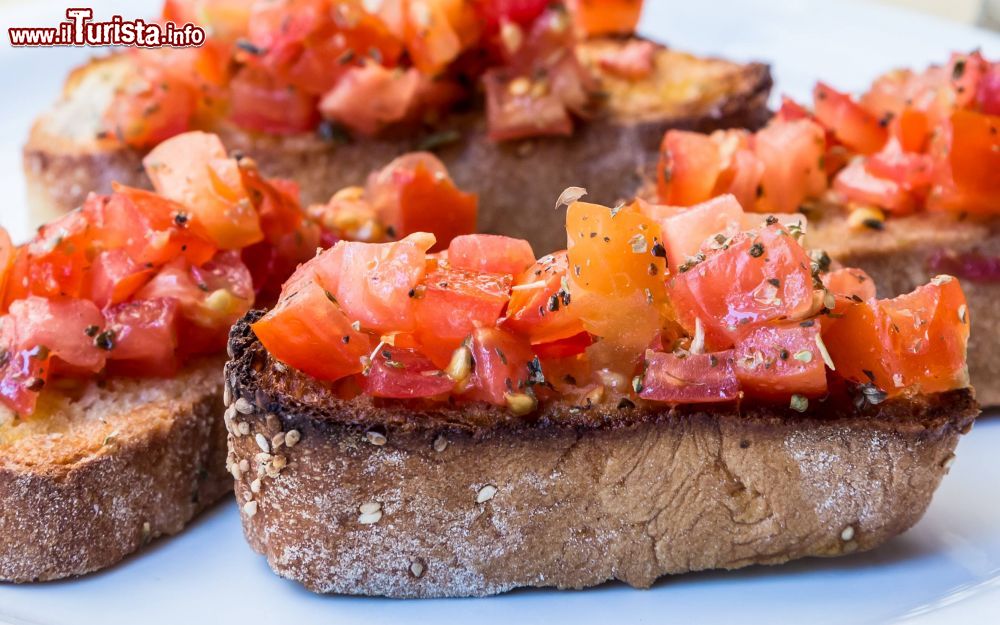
[[91, 331], [249, 47], [346, 339], [412, 293], [554, 303], [386, 354], [784, 354], [771, 220], [181, 219], [959, 70], [659, 251], [652, 269], [713, 361], [868, 374], [535, 375], [503, 357], [757, 250], [35, 385], [874, 224], [105, 340], [869, 395], [774, 282]]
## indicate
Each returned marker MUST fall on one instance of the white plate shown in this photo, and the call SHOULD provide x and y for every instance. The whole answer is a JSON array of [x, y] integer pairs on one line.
[[945, 570]]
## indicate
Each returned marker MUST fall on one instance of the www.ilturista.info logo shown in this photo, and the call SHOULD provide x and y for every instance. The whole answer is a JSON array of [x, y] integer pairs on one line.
[[79, 29]]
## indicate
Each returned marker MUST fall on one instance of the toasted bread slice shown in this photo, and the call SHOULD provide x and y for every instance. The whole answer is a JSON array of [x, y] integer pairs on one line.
[[382, 498], [97, 473], [517, 182], [901, 256]]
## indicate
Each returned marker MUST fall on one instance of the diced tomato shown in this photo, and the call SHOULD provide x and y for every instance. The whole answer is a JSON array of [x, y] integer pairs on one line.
[[975, 157], [540, 304], [309, 331], [451, 303], [414, 193], [114, 277], [792, 157], [522, 12], [774, 362], [693, 379], [211, 297], [369, 97], [685, 232], [431, 41], [152, 229], [851, 124], [151, 110], [616, 280], [227, 19], [988, 92], [912, 129], [374, 280], [849, 286], [912, 171], [605, 17], [491, 253], [856, 184], [260, 102], [791, 110], [516, 109], [500, 365], [759, 278], [403, 373], [915, 341], [145, 334], [40, 337], [563, 348], [690, 164], [194, 170], [7, 254]]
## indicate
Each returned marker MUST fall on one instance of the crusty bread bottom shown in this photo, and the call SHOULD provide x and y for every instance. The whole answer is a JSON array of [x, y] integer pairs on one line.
[[899, 259], [464, 503], [91, 478]]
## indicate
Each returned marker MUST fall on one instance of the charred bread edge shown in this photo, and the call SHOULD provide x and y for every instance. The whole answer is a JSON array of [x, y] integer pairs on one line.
[[60, 521], [315, 506]]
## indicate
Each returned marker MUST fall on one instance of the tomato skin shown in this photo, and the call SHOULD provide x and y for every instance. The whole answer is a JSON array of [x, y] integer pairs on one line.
[[152, 229], [848, 287], [194, 170], [405, 373], [563, 348], [912, 171], [533, 312], [914, 341], [491, 253], [850, 123], [259, 102], [693, 379], [974, 157], [452, 303], [791, 154], [145, 338], [988, 92], [414, 193], [309, 332], [732, 292], [773, 362], [511, 115], [7, 255], [500, 365], [689, 167]]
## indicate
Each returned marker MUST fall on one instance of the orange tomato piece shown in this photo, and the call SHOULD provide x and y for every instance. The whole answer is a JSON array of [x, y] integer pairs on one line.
[[686, 232], [540, 303], [500, 368], [791, 154], [605, 17], [193, 169], [851, 124], [690, 164], [308, 331]]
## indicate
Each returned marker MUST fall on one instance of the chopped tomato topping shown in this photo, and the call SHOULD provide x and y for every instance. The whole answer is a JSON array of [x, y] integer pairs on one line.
[[692, 379], [914, 341], [261, 102], [405, 373], [634, 60], [451, 303], [309, 322], [758, 278], [857, 184], [685, 233], [145, 336], [851, 124], [605, 17], [414, 193], [491, 253], [540, 302], [690, 164], [370, 97], [792, 157], [194, 170], [500, 366], [775, 362]]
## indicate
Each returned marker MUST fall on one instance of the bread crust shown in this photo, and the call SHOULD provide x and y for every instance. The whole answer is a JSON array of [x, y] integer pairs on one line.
[[80, 500], [900, 257], [517, 182], [461, 502]]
